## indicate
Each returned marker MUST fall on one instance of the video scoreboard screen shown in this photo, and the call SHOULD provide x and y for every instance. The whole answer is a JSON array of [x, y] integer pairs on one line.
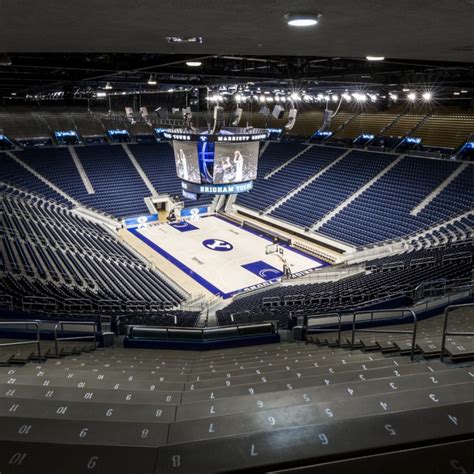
[[187, 162], [216, 164], [235, 162]]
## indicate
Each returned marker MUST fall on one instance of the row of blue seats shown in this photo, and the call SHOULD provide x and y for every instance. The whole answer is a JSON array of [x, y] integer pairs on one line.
[[63, 253], [355, 291], [118, 188], [332, 187], [266, 192], [14, 174], [384, 211]]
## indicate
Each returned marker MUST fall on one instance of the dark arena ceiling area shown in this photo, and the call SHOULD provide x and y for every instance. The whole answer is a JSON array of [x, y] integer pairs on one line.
[[408, 29], [72, 49]]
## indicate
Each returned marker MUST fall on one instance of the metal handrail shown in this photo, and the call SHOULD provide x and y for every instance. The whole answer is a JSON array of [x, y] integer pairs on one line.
[[72, 323], [391, 331], [6, 300], [23, 343], [203, 330], [427, 289], [454, 333], [323, 316]]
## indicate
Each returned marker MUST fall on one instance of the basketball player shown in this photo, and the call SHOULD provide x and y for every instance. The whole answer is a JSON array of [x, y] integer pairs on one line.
[[184, 167], [228, 170], [239, 166]]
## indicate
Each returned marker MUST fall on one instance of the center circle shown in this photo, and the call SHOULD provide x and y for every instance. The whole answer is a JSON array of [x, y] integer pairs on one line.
[[217, 245]]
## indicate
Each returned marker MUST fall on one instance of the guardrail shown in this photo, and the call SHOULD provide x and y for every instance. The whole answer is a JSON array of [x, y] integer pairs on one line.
[[205, 333], [24, 343], [440, 287], [386, 331], [324, 316], [73, 338], [6, 301], [448, 310]]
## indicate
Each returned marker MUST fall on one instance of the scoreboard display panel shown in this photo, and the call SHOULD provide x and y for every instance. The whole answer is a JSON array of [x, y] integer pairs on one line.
[[235, 162], [187, 162], [223, 163]]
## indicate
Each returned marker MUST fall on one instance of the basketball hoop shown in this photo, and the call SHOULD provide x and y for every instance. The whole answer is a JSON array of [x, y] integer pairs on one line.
[[271, 248]]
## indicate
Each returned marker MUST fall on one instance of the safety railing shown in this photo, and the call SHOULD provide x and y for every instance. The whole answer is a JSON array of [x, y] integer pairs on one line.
[[447, 311], [204, 333], [306, 319], [6, 301], [73, 338], [386, 331], [24, 343], [436, 288]]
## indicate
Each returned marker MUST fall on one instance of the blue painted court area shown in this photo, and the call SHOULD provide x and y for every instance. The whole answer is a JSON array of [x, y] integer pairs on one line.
[[222, 257], [263, 270], [183, 226]]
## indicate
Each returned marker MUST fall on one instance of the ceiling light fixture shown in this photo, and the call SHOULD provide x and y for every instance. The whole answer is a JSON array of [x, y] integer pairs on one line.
[[302, 19], [375, 58], [193, 63], [108, 86], [294, 96], [152, 80], [5, 60], [185, 39]]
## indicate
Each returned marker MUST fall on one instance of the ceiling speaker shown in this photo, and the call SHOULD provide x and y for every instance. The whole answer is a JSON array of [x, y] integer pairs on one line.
[[291, 118], [278, 111], [237, 117]]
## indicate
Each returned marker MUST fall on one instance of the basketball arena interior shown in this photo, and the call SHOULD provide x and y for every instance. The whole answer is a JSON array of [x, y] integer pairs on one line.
[[237, 237]]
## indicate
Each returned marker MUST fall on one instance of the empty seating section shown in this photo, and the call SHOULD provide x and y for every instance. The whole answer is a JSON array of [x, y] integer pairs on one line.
[[372, 123], [47, 251], [59, 120], [444, 127], [411, 270], [446, 130], [118, 188], [87, 124], [459, 195], [332, 187], [15, 174], [20, 124], [340, 119], [114, 179], [56, 165], [273, 408], [273, 157], [384, 210], [460, 229], [381, 212], [157, 161], [268, 191], [404, 125]]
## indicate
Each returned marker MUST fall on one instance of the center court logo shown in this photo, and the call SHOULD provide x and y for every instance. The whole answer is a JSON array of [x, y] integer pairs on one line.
[[217, 245]]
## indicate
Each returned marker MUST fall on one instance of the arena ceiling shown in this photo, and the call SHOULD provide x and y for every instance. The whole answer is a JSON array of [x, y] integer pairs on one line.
[[54, 46], [407, 29]]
